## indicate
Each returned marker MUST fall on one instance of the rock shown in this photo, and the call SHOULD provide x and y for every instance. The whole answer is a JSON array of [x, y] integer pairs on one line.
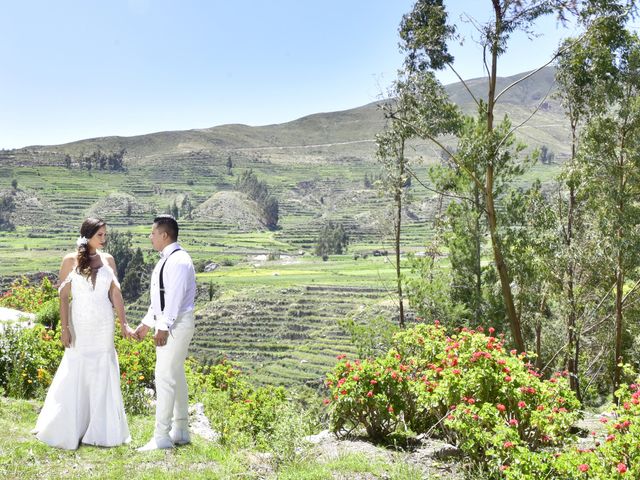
[[10, 316], [200, 425], [210, 267]]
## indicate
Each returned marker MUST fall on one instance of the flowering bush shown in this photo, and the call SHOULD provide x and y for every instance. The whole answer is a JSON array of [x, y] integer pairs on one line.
[[26, 297], [137, 372], [617, 457], [29, 358], [241, 413], [490, 402], [369, 393]]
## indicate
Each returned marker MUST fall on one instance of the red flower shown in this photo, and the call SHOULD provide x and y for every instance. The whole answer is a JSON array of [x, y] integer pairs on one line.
[[326, 401], [583, 467], [522, 404], [507, 444], [501, 407], [507, 379], [622, 468], [513, 422], [369, 394], [373, 382]]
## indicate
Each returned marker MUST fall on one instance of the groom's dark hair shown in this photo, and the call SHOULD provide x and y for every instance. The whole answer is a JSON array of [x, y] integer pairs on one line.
[[167, 224]]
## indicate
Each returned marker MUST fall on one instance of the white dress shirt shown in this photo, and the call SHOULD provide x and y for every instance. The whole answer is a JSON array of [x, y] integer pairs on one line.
[[179, 288]]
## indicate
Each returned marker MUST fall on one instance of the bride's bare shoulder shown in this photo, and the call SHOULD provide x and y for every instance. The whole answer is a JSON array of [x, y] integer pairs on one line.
[[70, 257]]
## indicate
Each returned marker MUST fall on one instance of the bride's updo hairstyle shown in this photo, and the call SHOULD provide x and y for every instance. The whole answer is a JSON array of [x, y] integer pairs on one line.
[[88, 229]]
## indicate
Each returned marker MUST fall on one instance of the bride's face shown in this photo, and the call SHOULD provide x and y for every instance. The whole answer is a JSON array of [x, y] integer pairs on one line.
[[99, 240]]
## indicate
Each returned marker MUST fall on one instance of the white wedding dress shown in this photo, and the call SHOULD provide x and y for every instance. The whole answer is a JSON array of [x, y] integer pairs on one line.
[[84, 402]]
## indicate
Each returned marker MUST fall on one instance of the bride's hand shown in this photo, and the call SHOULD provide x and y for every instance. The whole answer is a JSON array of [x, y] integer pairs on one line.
[[127, 331], [65, 338]]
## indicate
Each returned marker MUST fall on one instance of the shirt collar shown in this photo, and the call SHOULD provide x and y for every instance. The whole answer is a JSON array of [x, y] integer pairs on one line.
[[169, 249]]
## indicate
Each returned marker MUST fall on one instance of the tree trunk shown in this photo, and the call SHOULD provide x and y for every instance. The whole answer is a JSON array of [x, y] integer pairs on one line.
[[398, 231], [505, 281], [478, 266], [572, 357]]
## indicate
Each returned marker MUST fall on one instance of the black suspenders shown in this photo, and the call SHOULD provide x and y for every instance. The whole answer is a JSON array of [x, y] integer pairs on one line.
[[162, 280]]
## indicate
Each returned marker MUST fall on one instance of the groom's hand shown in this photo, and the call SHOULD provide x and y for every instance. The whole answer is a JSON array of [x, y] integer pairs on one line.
[[141, 331], [161, 338]]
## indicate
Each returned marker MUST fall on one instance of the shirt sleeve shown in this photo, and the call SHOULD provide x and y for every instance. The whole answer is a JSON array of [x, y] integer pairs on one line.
[[175, 282], [148, 319]]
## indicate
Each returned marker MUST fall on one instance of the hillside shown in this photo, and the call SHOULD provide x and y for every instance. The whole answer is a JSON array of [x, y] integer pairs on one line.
[[334, 134], [271, 304]]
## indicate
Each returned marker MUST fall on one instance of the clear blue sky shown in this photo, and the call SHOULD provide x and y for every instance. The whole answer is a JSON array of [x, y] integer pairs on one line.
[[75, 69]]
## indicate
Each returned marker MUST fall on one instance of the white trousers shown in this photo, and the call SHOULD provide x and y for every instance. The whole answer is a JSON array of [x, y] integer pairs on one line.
[[172, 405]]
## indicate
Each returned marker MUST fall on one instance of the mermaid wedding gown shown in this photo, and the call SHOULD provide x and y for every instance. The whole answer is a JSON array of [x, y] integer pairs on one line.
[[84, 402]]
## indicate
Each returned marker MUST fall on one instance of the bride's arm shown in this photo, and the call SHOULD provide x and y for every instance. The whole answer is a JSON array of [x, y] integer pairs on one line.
[[65, 289], [118, 303]]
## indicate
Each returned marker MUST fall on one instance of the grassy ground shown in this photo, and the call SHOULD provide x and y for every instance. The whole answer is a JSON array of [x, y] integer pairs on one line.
[[24, 457]]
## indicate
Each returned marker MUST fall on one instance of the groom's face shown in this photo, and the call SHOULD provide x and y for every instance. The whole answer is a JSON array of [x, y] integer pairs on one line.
[[158, 238]]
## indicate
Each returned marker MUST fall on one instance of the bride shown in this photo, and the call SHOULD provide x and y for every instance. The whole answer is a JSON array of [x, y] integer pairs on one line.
[[84, 402]]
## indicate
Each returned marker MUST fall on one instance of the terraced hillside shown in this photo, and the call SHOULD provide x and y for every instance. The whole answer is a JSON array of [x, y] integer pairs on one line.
[[279, 318], [284, 335]]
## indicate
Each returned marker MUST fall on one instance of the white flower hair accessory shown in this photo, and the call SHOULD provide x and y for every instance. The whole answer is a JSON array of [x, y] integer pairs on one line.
[[81, 241]]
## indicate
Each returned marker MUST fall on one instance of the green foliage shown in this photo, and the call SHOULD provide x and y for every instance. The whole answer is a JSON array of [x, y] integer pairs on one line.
[[258, 191], [29, 358], [371, 336], [245, 415], [99, 160], [119, 246], [132, 284], [24, 296], [615, 456], [49, 313], [7, 207], [137, 373], [465, 386], [332, 239]]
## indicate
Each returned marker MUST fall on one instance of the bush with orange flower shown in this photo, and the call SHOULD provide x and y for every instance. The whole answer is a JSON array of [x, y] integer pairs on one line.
[[465, 387]]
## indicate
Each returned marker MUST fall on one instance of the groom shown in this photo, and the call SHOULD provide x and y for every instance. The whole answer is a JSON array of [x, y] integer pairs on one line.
[[173, 290]]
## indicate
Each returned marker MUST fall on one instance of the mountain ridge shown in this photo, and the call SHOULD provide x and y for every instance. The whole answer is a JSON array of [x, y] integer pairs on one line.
[[323, 130]]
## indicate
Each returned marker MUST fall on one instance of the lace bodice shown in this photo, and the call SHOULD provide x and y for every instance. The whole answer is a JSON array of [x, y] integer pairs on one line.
[[92, 319]]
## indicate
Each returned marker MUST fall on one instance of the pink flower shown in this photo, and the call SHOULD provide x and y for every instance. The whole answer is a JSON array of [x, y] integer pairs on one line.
[[501, 407], [507, 379], [513, 422], [522, 404], [622, 468], [583, 467], [507, 444], [369, 394]]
